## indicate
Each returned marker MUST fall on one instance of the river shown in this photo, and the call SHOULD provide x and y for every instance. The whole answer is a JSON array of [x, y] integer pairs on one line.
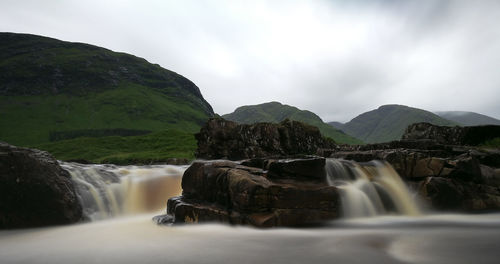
[[129, 237]]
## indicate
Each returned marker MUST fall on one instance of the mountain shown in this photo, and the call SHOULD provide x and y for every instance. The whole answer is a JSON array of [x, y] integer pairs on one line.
[[336, 125], [389, 122], [275, 112], [50, 87], [468, 118]]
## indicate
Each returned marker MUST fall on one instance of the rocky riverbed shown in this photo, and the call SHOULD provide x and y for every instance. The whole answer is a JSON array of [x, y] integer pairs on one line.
[[437, 163]]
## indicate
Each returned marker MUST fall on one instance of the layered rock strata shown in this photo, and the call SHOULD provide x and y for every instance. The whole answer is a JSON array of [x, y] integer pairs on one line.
[[220, 138], [471, 135], [440, 164], [281, 193]]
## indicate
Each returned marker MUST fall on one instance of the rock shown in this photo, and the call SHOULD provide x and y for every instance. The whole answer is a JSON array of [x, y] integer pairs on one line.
[[458, 195], [473, 135], [34, 190], [164, 219], [266, 190], [220, 138], [226, 191], [312, 169], [449, 177]]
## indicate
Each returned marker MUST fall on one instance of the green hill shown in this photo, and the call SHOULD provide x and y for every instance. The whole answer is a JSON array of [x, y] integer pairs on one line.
[[275, 112], [49, 87], [389, 122], [468, 118]]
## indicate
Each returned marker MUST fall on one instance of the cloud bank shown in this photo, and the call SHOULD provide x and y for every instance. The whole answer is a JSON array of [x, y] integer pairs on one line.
[[336, 58]]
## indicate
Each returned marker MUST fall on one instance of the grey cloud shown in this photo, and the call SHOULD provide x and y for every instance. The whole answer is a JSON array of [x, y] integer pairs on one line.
[[335, 58]]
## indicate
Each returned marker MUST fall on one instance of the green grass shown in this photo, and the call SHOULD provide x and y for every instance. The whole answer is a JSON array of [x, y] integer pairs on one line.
[[27, 120], [275, 112], [492, 143], [152, 148]]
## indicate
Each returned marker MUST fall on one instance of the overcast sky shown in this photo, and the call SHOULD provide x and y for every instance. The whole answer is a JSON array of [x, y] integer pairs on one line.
[[337, 58]]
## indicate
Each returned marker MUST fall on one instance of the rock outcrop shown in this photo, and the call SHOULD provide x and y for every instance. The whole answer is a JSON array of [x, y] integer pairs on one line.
[[220, 138], [34, 190], [265, 192], [437, 163], [281, 193], [472, 135]]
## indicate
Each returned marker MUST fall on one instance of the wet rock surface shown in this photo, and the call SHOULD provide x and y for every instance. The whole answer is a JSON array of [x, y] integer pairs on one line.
[[220, 138], [226, 191], [34, 190]]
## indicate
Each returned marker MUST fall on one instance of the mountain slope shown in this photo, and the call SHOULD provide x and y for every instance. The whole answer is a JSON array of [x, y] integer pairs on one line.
[[336, 125], [468, 118], [275, 112], [48, 85], [389, 122]]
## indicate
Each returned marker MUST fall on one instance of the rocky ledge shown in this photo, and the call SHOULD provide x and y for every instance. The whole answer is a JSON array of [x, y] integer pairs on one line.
[[266, 192], [290, 192], [34, 190], [441, 164], [223, 139]]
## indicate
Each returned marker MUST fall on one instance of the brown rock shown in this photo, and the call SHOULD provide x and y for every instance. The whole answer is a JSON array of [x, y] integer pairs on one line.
[[229, 192], [34, 190], [472, 135], [458, 195], [220, 138]]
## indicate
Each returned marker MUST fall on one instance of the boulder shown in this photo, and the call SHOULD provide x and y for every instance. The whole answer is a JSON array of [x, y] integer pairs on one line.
[[459, 195], [34, 190], [222, 139], [226, 191]]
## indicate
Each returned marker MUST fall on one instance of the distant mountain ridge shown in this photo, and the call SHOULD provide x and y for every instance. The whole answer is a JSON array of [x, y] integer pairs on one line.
[[275, 112], [468, 118], [48, 85], [388, 123], [337, 125]]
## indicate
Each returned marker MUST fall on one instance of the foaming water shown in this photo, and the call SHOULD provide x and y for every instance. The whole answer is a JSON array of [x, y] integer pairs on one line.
[[371, 189], [108, 190]]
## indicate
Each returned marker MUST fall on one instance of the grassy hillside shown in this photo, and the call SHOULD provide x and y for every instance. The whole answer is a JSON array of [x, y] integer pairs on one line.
[[389, 122], [468, 118], [275, 112], [48, 86], [152, 148], [28, 120]]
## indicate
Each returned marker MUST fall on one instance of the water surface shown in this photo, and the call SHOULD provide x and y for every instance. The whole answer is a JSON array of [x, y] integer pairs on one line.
[[136, 239]]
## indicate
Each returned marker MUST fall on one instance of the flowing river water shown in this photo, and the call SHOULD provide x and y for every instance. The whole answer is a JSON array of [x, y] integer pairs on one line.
[[381, 224]]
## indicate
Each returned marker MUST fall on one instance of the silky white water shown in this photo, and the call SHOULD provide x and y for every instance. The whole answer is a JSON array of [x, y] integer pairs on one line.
[[371, 189], [136, 239], [132, 237], [109, 191]]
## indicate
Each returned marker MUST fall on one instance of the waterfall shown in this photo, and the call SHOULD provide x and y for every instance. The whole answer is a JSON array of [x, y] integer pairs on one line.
[[370, 189], [367, 189], [108, 190]]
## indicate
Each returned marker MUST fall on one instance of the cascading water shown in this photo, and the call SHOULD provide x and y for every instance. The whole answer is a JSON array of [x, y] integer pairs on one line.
[[109, 190], [367, 189], [371, 189]]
